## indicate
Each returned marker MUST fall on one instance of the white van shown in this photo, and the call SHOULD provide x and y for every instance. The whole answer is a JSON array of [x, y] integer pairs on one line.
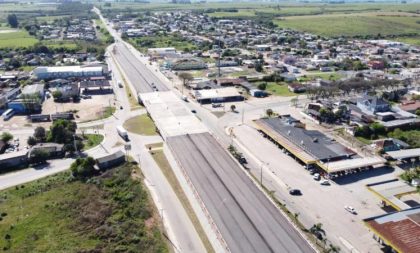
[[8, 114]]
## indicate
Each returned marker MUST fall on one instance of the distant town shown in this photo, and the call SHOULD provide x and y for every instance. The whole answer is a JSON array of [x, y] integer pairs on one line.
[[207, 127]]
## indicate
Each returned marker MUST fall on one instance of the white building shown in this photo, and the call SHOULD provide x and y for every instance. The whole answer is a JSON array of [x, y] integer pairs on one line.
[[68, 71]]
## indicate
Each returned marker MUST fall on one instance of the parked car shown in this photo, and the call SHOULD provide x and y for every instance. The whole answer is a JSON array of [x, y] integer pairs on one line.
[[312, 171], [295, 192], [317, 176], [350, 209], [214, 105], [325, 182]]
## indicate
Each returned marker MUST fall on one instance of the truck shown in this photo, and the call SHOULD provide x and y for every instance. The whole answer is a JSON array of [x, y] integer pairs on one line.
[[122, 132]]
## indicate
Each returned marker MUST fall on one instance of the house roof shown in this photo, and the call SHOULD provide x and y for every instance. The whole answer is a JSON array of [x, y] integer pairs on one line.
[[400, 229]]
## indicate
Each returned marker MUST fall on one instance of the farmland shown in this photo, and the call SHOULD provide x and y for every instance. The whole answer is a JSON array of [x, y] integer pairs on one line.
[[14, 39], [360, 24]]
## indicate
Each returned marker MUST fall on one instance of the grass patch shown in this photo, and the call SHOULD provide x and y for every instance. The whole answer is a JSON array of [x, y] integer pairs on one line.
[[333, 76], [141, 124], [359, 24], [279, 89], [162, 162], [112, 213], [153, 146], [143, 43], [363, 140], [92, 140], [16, 39]]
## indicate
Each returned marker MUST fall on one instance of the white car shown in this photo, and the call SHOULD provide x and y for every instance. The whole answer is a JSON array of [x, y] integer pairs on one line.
[[317, 176], [350, 209], [325, 182]]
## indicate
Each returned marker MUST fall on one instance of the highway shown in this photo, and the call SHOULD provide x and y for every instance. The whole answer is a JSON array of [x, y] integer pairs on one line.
[[248, 221], [138, 74], [245, 217]]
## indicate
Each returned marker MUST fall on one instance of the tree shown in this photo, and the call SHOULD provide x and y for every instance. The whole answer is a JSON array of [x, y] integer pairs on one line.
[[6, 137], [38, 156], [317, 230], [233, 108], [186, 78], [262, 86], [258, 66], [83, 168], [62, 131], [12, 20], [57, 95], [269, 112], [31, 141], [377, 128], [40, 134]]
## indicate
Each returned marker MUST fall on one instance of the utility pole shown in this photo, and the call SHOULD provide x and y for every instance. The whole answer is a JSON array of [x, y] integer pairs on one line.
[[74, 143]]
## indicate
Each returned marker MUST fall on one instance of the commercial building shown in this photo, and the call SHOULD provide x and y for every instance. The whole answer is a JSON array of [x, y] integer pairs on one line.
[[312, 147], [69, 71], [221, 95], [398, 230], [53, 150]]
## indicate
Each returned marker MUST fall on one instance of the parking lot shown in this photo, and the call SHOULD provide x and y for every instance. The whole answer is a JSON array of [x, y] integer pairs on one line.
[[282, 173], [87, 108]]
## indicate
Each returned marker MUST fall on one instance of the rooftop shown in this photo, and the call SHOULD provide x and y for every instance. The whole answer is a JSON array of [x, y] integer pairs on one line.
[[170, 114], [217, 93], [312, 142], [405, 153], [400, 229]]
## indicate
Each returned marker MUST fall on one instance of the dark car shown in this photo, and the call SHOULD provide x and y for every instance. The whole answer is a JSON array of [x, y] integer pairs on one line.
[[242, 160], [193, 111], [295, 192]]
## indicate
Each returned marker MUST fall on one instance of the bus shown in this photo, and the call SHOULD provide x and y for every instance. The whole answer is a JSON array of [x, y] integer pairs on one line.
[[8, 114], [122, 132]]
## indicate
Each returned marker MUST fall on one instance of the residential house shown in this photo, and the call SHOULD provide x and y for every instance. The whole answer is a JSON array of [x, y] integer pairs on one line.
[[373, 104]]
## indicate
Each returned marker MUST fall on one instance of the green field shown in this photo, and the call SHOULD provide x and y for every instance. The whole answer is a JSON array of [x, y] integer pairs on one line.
[[16, 39], [143, 43], [360, 24], [112, 213], [91, 140], [279, 89], [142, 125]]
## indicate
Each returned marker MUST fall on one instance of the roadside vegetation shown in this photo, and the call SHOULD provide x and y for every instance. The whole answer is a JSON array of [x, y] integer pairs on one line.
[[142, 125], [143, 43], [91, 140], [110, 212]]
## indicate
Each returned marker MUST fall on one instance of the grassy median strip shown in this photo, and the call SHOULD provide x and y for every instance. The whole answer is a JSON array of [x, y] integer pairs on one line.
[[162, 162], [142, 125]]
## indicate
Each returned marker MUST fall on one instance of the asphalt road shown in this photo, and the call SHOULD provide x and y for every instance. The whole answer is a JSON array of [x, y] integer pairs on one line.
[[142, 78], [247, 220]]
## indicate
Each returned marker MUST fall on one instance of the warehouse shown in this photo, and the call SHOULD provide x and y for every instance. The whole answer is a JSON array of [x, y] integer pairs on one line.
[[68, 71]]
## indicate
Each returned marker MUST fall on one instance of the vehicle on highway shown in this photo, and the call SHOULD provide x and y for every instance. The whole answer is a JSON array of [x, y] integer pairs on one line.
[[215, 105], [350, 209], [121, 107], [185, 98], [193, 111], [122, 132], [325, 182], [295, 192], [120, 84], [8, 114], [317, 176]]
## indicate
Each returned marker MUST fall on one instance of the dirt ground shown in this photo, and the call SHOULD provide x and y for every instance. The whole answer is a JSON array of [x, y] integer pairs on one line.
[[87, 109]]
